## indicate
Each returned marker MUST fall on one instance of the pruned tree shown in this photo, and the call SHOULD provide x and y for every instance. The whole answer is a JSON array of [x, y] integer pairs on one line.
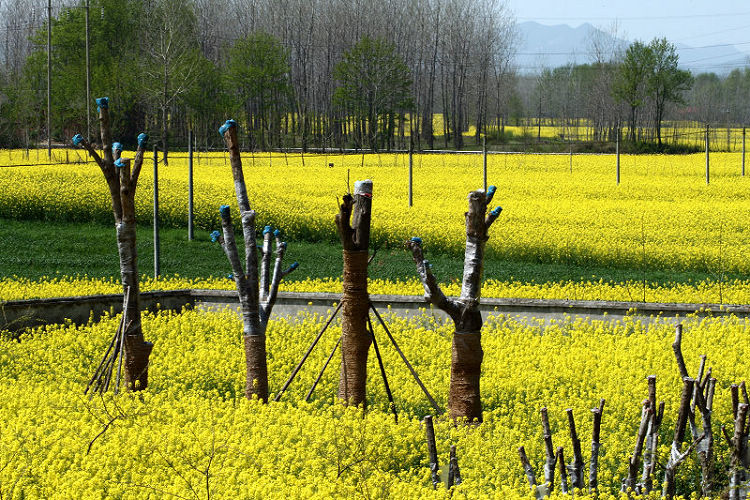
[[257, 291], [353, 223], [466, 358], [122, 182]]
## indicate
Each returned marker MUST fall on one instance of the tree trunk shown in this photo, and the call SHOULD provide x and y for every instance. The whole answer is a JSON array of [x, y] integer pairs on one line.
[[137, 351], [355, 302]]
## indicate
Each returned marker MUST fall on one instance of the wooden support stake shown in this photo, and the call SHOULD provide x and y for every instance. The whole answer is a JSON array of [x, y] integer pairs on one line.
[[406, 361], [382, 370], [306, 355], [432, 451]]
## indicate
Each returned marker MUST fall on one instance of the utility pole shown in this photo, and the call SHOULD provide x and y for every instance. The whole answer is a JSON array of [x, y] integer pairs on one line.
[[49, 78], [88, 78], [157, 266], [190, 185], [484, 161]]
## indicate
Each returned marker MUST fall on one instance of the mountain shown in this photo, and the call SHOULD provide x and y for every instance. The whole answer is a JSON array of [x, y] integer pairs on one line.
[[542, 46]]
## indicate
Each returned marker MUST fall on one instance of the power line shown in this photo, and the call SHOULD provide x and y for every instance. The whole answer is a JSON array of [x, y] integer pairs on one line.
[[636, 18]]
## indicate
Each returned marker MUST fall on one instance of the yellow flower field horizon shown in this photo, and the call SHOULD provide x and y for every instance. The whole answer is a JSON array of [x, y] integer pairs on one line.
[[662, 215]]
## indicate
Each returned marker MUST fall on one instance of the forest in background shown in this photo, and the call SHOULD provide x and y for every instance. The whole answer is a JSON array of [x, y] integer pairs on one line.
[[333, 74]]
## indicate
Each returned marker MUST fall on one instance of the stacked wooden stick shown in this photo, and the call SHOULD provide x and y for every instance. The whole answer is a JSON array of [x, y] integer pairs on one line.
[[697, 393], [571, 476], [102, 377]]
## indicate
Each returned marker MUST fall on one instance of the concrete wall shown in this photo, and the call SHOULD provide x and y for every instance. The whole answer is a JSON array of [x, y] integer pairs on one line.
[[17, 315]]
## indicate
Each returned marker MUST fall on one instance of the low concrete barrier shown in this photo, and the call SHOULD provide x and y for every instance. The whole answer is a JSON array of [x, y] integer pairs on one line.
[[20, 314]]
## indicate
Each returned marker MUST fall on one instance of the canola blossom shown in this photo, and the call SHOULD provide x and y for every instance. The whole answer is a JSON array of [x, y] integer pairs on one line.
[[192, 433], [662, 216], [701, 292]]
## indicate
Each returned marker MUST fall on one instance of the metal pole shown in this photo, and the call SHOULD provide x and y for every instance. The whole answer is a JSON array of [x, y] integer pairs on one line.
[[411, 176], [707, 164], [743, 151], [156, 212], [190, 185], [49, 78], [484, 161], [88, 78], [617, 152]]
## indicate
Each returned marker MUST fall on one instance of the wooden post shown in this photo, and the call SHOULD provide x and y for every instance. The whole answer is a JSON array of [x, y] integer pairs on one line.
[[707, 159], [432, 451], [617, 153], [157, 267], [743, 151], [88, 78], [49, 79], [190, 185], [484, 162], [411, 176]]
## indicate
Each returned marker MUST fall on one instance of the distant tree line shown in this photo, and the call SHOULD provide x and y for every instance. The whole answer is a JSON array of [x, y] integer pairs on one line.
[[329, 73], [324, 73]]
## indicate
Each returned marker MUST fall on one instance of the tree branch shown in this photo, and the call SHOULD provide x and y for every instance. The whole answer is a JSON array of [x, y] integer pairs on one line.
[[138, 160], [230, 248], [265, 263], [432, 290]]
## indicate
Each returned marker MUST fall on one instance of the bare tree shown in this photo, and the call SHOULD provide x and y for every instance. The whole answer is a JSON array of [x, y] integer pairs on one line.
[[466, 359], [122, 182]]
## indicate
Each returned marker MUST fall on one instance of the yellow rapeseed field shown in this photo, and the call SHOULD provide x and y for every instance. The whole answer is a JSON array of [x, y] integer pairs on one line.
[[556, 208], [702, 292], [192, 434]]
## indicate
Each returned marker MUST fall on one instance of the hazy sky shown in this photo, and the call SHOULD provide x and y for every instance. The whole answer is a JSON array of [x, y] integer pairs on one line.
[[692, 22]]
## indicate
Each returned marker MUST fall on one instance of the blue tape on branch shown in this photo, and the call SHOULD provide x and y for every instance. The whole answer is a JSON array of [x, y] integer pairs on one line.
[[142, 139], [283, 245], [224, 210], [277, 233], [116, 146], [215, 235], [417, 240], [119, 163], [294, 266], [102, 103], [77, 139], [496, 211], [266, 229], [427, 263], [230, 276], [491, 191], [227, 125]]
